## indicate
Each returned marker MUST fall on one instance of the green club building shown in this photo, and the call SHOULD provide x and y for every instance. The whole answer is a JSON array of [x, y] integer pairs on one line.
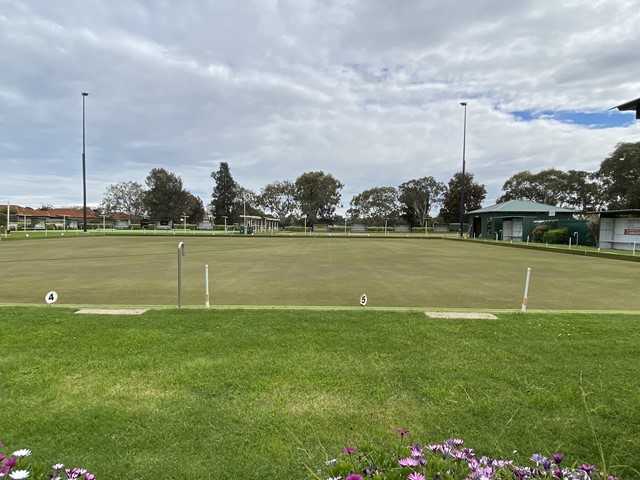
[[515, 220]]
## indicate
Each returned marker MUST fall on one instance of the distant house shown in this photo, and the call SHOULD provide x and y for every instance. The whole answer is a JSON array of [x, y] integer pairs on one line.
[[513, 220], [25, 218]]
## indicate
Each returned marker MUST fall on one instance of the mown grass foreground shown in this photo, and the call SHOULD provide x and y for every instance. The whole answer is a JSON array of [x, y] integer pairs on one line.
[[323, 271], [261, 393]]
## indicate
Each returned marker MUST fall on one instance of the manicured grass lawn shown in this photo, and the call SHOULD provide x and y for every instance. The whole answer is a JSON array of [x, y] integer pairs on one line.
[[260, 393], [299, 271]]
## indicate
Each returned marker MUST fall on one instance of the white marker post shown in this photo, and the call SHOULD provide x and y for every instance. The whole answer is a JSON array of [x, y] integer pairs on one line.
[[525, 300], [206, 286], [180, 255]]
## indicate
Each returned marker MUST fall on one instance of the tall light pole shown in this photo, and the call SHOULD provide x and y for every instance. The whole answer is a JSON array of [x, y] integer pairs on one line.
[[464, 145], [84, 172]]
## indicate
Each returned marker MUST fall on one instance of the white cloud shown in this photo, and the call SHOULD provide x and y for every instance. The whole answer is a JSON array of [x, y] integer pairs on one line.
[[367, 90]]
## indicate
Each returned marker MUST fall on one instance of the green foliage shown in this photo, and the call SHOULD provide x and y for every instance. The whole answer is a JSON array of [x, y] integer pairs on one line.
[[165, 198], [620, 177], [418, 197], [224, 198], [318, 195], [538, 232], [374, 206], [278, 198], [572, 189], [556, 236], [124, 197], [474, 194], [194, 210]]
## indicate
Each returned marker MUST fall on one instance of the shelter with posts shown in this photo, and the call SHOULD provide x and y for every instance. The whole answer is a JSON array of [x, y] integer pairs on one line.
[[514, 220], [619, 229]]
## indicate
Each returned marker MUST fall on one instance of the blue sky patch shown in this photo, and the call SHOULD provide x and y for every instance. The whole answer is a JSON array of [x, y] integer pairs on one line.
[[608, 119]]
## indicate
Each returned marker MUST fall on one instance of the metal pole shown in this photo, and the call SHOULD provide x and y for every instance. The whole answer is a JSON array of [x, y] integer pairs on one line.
[[525, 300], [464, 147], [180, 255], [84, 171], [6, 233], [206, 286]]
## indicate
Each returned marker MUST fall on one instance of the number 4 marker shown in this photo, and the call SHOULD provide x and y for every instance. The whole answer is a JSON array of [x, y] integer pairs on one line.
[[51, 297]]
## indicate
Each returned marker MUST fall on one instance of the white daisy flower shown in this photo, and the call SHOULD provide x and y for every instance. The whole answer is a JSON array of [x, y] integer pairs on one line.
[[19, 474], [23, 452]]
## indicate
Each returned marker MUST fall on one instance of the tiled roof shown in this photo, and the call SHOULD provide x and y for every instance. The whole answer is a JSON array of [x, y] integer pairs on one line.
[[521, 206], [53, 213]]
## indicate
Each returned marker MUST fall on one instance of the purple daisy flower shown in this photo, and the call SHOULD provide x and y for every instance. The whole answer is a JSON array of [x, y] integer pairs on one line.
[[416, 451], [415, 476], [408, 462]]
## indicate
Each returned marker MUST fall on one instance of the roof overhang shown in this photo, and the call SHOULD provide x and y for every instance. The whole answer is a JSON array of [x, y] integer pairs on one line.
[[629, 212], [633, 105]]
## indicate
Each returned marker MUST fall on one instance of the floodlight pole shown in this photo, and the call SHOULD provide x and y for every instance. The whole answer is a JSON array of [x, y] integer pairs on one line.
[[464, 145], [84, 171]]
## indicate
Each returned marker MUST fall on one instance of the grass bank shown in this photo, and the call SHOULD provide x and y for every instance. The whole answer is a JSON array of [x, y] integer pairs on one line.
[[262, 393]]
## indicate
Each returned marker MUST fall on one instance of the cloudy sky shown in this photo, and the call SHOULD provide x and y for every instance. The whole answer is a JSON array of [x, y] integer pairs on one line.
[[367, 90]]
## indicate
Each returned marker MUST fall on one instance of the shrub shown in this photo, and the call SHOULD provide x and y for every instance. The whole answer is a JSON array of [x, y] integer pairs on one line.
[[557, 236], [539, 232]]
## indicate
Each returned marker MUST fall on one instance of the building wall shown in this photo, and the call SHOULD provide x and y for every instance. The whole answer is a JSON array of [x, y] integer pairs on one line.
[[619, 233]]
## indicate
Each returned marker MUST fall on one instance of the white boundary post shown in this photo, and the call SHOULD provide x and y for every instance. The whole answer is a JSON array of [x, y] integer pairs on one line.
[[525, 300], [180, 255], [206, 286]]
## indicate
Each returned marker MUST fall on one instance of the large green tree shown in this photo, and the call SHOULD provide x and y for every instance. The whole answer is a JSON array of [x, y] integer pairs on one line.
[[619, 175], [418, 197], [318, 195], [224, 198], [165, 197], [375, 205], [124, 197], [574, 189], [279, 199], [3, 216], [583, 191], [246, 203], [194, 210], [474, 194]]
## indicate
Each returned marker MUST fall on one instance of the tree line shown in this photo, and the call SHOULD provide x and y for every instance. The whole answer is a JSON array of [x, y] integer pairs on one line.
[[316, 196]]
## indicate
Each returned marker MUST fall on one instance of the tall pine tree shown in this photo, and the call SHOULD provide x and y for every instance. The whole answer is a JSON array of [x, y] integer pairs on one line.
[[224, 196]]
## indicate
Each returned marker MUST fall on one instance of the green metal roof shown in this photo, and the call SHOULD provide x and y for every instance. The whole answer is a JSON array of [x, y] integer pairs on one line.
[[521, 206]]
